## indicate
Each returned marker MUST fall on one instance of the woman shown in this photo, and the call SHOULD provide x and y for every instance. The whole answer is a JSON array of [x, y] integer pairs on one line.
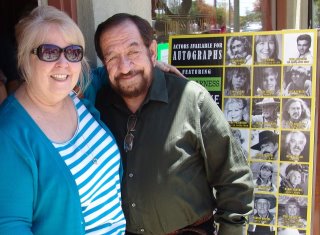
[[266, 49], [59, 165], [264, 179], [268, 81], [238, 82], [236, 112]]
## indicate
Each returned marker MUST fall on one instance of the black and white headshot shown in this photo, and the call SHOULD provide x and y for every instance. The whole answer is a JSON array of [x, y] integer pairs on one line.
[[237, 81], [295, 146], [265, 176], [239, 50], [292, 212], [296, 113], [265, 145], [266, 81], [297, 81], [294, 178], [303, 52], [265, 113], [267, 49]]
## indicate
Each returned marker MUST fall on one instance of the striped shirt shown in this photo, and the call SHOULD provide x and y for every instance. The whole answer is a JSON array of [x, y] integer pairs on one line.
[[94, 161]]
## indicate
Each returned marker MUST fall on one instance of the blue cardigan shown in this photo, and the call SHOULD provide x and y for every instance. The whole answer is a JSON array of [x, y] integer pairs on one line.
[[38, 193]]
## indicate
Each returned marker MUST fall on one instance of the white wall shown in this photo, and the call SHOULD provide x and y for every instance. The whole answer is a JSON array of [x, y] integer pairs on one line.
[[92, 12]]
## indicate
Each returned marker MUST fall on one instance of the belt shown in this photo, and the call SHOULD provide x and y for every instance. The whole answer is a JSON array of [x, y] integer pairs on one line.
[[195, 228]]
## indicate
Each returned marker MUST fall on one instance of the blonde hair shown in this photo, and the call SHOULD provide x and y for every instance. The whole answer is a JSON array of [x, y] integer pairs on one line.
[[32, 30]]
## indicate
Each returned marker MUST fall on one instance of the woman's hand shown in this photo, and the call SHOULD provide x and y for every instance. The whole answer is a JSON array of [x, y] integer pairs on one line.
[[168, 68]]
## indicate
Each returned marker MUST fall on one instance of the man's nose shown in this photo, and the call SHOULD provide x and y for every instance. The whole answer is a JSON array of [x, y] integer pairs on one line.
[[124, 64]]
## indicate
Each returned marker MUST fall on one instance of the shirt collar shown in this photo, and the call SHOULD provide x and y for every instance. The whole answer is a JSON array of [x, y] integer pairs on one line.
[[158, 90]]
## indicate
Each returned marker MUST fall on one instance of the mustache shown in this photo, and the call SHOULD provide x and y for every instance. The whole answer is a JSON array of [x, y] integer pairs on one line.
[[125, 75]]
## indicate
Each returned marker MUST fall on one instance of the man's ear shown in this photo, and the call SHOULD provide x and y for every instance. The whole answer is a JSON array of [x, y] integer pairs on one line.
[[153, 51]]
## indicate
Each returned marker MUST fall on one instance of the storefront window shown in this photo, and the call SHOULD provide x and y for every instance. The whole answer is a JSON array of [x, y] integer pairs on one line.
[[316, 14], [171, 17]]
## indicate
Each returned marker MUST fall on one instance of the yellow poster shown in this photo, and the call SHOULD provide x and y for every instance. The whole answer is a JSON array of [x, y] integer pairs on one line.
[[265, 83]]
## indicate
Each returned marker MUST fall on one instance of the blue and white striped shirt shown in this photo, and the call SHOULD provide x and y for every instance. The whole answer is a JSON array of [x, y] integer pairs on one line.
[[94, 160]]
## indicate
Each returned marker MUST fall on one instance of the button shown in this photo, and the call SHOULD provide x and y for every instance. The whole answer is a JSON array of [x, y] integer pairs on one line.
[[133, 204], [142, 230], [130, 175]]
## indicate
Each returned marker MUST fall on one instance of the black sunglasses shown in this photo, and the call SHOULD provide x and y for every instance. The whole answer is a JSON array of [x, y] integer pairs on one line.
[[128, 139], [51, 53]]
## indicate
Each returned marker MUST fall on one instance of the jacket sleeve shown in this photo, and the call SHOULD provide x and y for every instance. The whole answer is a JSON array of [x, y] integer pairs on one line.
[[228, 172], [17, 188], [98, 77]]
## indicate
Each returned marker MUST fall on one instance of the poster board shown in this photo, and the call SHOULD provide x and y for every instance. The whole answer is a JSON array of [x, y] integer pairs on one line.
[[265, 83]]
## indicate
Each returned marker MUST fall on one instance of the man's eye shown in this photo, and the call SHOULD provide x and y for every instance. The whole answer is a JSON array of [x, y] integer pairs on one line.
[[133, 52], [110, 59]]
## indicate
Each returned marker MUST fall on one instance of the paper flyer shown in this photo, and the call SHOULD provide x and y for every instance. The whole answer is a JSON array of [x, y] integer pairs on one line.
[[265, 83]]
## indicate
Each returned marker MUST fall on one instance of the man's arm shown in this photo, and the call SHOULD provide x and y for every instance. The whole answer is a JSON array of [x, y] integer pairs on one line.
[[227, 169], [99, 76]]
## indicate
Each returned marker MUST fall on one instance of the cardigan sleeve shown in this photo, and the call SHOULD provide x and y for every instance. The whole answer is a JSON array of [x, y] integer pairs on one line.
[[16, 184]]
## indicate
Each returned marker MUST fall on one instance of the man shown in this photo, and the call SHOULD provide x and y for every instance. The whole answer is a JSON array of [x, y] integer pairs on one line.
[[267, 145], [296, 114], [239, 50], [294, 147], [300, 83], [293, 182], [303, 46], [176, 145], [292, 217], [263, 203], [269, 117]]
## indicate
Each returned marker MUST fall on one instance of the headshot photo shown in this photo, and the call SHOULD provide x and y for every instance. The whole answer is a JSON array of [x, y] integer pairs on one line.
[[292, 211], [296, 113], [264, 209], [239, 50], [254, 229], [265, 145], [302, 43], [267, 49], [242, 136], [291, 231], [237, 81], [297, 81], [264, 176], [236, 111], [266, 81], [265, 113], [293, 179], [295, 146]]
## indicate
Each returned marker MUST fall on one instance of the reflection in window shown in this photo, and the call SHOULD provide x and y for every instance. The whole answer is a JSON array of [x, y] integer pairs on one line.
[[172, 17]]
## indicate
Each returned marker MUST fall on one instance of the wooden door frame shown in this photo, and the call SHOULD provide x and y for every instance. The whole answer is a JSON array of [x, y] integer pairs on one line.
[[68, 6]]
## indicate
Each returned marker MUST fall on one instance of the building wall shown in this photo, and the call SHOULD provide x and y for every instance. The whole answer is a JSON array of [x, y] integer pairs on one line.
[[92, 12]]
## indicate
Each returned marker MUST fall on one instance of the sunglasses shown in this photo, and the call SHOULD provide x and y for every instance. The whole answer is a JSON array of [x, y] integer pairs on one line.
[[128, 139], [51, 53]]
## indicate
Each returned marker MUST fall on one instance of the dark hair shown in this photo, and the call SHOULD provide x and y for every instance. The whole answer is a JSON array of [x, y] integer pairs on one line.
[[306, 37], [145, 29], [305, 109], [244, 40], [244, 71]]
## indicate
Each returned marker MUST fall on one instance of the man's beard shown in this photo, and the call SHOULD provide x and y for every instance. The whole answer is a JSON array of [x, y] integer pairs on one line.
[[139, 87], [240, 55]]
